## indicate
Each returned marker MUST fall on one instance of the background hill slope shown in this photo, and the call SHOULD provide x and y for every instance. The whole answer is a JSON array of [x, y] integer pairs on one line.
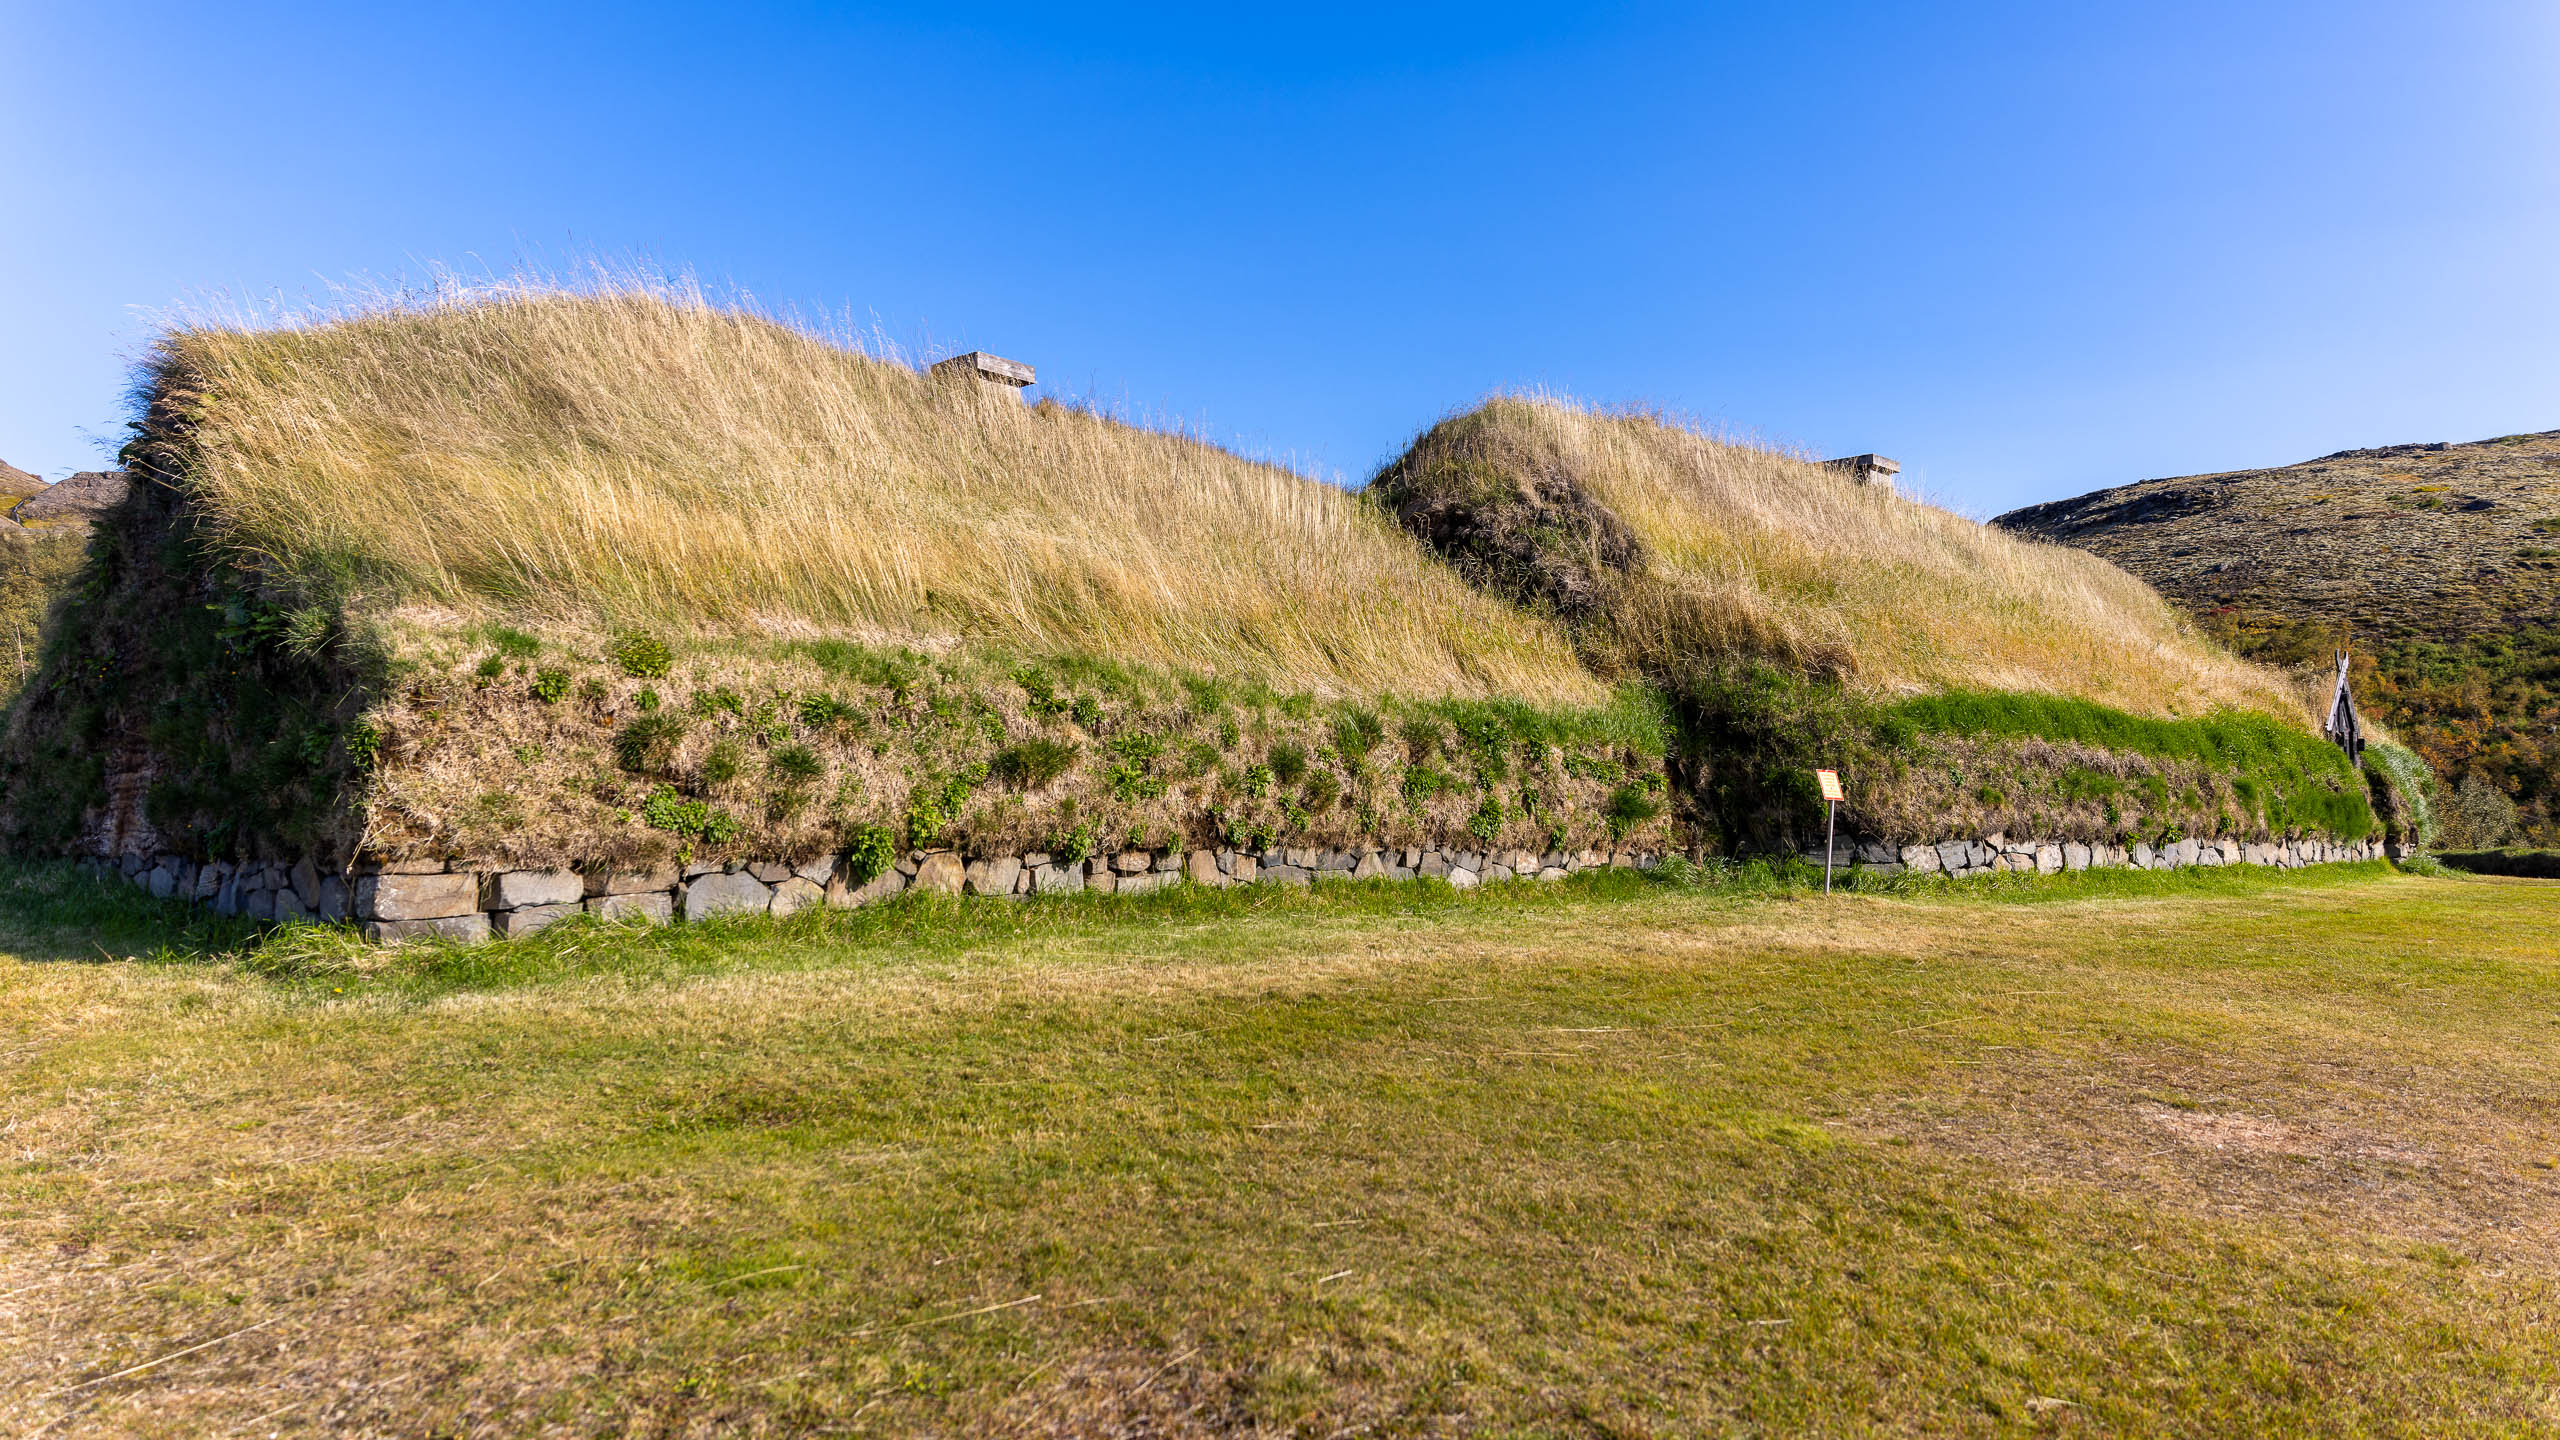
[[2439, 563]]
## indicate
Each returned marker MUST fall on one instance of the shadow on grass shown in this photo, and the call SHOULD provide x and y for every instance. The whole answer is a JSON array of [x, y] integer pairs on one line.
[[59, 912], [2514, 864]]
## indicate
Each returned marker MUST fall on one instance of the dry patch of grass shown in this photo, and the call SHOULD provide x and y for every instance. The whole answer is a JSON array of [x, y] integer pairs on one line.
[[1608, 1158]]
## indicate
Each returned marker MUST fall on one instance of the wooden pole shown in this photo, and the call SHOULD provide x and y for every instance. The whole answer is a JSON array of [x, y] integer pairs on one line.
[[1830, 829]]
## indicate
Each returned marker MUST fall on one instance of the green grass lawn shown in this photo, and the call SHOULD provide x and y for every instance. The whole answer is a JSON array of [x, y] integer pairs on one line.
[[2211, 1154]]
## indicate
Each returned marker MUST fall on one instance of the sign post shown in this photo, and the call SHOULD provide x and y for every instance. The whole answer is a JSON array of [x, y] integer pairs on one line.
[[1829, 780]]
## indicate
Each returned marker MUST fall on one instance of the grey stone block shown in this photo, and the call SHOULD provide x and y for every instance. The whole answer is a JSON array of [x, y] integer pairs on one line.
[[1247, 869], [771, 872], [632, 882], [417, 897], [817, 872], [992, 877], [726, 894], [2075, 856], [1464, 879], [470, 929], [844, 894], [941, 871], [1132, 862], [399, 867], [1370, 866], [795, 894], [1065, 879], [530, 918], [1201, 867], [1150, 881], [655, 906], [522, 889]]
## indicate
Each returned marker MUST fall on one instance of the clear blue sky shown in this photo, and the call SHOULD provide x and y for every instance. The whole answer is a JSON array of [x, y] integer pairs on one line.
[[2029, 249]]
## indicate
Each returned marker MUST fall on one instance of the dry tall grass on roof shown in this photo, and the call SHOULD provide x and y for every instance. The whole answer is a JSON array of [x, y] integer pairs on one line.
[[1744, 551], [636, 456]]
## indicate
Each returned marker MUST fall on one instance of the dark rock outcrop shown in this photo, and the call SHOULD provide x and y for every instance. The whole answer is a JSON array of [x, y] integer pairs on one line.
[[79, 500]]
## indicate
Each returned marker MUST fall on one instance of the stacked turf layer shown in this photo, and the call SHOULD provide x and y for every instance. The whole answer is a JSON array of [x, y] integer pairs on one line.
[[536, 580], [1964, 681], [540, 580]]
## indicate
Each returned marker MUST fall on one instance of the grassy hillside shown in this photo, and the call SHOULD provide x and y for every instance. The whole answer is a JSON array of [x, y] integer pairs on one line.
[[35, 566], [17, 485], [2113, 1154], [2439, 563]]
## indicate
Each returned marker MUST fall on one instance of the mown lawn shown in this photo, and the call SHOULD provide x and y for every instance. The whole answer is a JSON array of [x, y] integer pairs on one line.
[[2213, 1154]]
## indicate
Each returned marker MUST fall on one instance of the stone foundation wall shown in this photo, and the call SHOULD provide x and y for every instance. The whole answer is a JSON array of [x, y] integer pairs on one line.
[[406, 899], [1993, 854]]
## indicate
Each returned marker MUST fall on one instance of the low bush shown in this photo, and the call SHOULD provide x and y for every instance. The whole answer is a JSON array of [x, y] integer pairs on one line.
[[647, 743], [668, 809], [796, 765], [1032, 764], [723, 763], [869, 852], [643, 657]]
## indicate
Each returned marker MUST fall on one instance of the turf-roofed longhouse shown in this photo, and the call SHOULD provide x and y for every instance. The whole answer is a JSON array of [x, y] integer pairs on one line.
[[640, 596]]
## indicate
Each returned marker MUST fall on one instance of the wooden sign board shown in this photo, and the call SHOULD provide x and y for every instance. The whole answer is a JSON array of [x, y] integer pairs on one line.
[[1830, 782]]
